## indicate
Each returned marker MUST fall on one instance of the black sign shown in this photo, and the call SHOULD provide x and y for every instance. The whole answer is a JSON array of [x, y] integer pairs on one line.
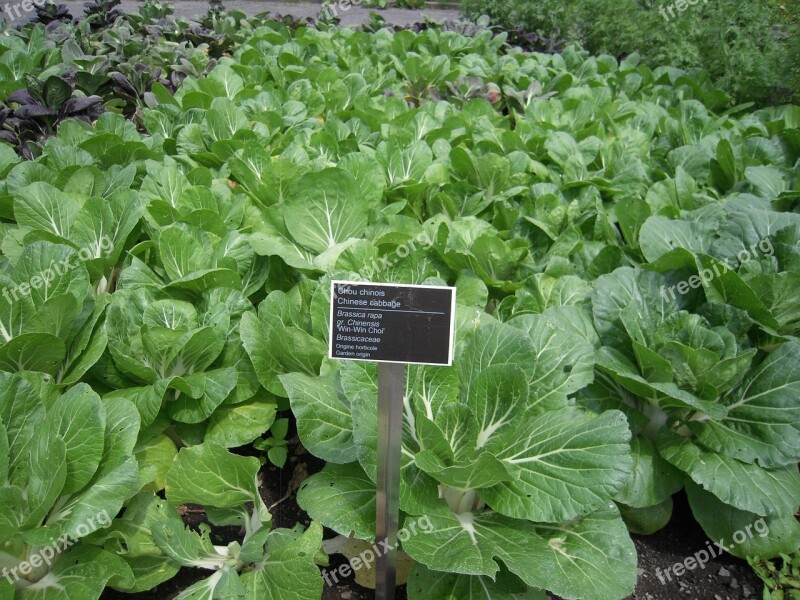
[[385, 322]]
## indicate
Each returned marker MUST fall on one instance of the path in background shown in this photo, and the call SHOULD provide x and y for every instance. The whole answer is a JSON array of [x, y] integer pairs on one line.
[[353, 16]]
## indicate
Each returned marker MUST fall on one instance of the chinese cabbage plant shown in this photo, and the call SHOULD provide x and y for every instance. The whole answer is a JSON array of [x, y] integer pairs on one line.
[[67, 467], [506, 465]]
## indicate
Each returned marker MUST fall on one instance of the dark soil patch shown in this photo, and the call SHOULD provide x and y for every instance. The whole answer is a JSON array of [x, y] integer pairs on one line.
[[723, 578]]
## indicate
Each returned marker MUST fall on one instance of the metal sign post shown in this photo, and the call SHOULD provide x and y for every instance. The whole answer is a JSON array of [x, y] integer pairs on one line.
[[391, 381], [393, 325]]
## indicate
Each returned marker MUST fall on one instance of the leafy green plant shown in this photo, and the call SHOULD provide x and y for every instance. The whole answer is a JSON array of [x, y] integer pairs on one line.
[[153, 10], [155, 543], [485, 444], [276, 445], [66, 469], [781, 577], [266, 562]]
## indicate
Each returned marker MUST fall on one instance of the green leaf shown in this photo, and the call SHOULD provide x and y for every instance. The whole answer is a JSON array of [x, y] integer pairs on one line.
[[33, 352], [4, 458], [289, 571], [21, 410], [342, 498], [483, 471], [471, 291], [79, 574], [623, 288], [745, 486], [79, 418], [210, 475], [648, 519], [489, 343], [652, 479], [254, 339], [44, 207], [185, 546], [723, 167], [200, 394], [564, 357], [564, 465], [280, 428], [51, 270], [148, 399], [743, 533], [122, 424], [278, 455], [224, 119], [131, 537], [499, 399], [590, 558], [730, 288], [324, 422], [631, 214], [767, 180], [47, 476], [232, 83], [104, 496], [234, 426], [366, 172], [148, 572], [325, 210], [424, 584], [87, 348], [182, 253], [155, 457], [407, 165], [762, 423]]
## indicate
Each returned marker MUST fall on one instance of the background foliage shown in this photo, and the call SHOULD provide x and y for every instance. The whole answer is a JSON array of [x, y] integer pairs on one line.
[[749, 48]]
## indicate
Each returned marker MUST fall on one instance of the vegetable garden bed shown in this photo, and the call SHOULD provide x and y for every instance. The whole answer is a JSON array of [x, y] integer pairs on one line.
[[176, 199], [725, 576]]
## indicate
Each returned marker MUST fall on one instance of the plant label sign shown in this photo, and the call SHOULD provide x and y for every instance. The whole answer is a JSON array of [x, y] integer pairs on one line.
[[386, 322], [395, 325]]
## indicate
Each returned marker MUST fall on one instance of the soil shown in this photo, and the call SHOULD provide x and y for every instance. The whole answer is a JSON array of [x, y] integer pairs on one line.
[[723, 578]]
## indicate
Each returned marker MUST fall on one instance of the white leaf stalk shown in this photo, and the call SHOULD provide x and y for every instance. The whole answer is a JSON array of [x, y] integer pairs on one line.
[[461, 501]]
